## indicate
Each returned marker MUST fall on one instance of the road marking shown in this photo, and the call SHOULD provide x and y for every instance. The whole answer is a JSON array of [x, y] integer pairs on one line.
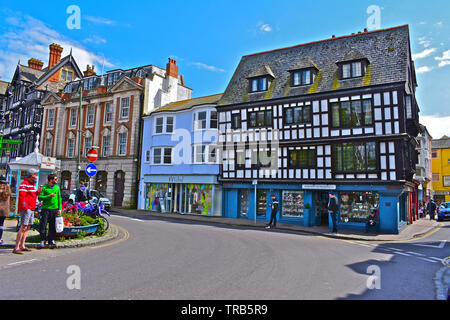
[[21, 262], [134, 219], [403, 254], [425, 259], [440, 246], [438, 259], [415, 253], [446, 261], [124, 238]]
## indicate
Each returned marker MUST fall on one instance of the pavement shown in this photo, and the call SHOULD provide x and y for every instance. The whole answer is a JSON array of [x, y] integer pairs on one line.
[[418, 229], [10, 234]]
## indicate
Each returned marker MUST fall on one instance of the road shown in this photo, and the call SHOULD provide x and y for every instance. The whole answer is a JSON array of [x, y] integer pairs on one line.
[[161, 259]]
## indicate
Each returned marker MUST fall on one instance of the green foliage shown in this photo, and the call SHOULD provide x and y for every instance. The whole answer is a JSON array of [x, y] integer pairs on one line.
[[101, 228]]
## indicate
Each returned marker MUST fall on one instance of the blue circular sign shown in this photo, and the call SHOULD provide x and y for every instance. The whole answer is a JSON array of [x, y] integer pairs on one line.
[[91, 170]]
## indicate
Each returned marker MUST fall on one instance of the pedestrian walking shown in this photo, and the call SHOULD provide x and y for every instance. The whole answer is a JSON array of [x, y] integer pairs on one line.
[[273, 214], [51, 208], [431, 209], [5, 198], [26, 206], [332, 210], [421, 210], [83, 193]]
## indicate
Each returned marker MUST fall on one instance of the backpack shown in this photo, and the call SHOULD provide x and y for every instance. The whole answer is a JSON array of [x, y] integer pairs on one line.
[[5, 192]]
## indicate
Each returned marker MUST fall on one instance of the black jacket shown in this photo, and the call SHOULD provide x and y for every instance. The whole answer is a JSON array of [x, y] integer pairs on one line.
[[332, 205], [274, 206]]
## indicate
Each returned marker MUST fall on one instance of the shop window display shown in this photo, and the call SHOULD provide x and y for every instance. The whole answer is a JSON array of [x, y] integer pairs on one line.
[[200, 198], [357, 206], [292, 204], [155, 199]]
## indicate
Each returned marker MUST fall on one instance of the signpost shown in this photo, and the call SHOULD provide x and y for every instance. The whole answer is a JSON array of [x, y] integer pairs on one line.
[[91, 170], [92, 155]]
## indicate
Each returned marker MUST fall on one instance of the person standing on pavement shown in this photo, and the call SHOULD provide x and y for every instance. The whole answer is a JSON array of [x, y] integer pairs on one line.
[[431, 208], [332, 210], [51, 207], [273, 215], [26, 206], [5, 197]]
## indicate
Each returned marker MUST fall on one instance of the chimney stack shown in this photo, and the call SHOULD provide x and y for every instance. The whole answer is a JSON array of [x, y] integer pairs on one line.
[[172, 68], [35, 64], [89, 71], [55, 54]]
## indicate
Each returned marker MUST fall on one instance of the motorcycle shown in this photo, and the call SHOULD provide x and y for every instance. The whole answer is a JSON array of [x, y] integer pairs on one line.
[[96, 211]]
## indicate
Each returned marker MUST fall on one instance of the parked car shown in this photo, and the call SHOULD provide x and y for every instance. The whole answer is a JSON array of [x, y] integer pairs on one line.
[[95, 194], [444, 211]]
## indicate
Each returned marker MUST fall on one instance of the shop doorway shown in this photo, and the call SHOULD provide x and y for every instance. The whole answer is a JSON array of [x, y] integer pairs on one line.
[[321, 208], [243, 209]]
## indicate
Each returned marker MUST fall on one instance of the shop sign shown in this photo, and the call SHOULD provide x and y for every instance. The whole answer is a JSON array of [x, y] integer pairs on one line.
[[48, 163], [176, 179], [319, 187]]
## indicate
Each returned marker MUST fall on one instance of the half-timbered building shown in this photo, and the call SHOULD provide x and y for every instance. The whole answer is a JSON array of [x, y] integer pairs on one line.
[[22, 112], [334, 115]]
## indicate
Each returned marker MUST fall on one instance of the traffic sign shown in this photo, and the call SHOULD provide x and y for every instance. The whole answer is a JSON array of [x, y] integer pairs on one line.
[[92, 155], [91, 170]]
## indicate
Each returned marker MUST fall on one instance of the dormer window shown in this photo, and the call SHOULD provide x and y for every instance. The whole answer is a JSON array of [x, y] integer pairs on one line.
[[302, 77], [353, 69], [258, 84]]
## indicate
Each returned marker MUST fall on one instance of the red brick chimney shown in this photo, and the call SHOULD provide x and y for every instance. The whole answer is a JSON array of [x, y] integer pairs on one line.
[[35, 64], [53, 59], [55, 54], [172, 68]]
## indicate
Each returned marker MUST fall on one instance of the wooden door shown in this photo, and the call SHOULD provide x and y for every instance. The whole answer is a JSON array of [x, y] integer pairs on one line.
[[119, 186]]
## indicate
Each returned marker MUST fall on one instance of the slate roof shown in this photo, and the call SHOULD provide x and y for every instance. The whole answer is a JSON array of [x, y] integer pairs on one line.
[[387, 50], [443, 143], [189, 103], [29, 74]]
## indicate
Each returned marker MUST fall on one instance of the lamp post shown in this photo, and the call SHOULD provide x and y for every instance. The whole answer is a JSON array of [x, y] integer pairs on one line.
[[79, 135]]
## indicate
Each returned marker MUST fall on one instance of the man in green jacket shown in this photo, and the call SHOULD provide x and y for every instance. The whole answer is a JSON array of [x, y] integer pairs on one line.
[[51, 207]]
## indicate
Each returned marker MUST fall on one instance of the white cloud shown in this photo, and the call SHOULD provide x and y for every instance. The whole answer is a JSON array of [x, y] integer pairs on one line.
[[444, 60], [207, 67], [423, 22], [436, 125], [423, 69], [99, 20], [95, 39], [425, 53], [425, 42], [439, 24], [266, 28], [30, 38]]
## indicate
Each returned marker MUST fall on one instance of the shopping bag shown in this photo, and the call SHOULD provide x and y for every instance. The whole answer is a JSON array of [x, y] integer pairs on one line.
[[59, 224]]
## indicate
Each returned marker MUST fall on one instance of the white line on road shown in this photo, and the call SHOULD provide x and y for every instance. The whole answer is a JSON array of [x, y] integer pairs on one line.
[[429, 260], [21, 262], [438, 259], [415, 253], [134, 219]]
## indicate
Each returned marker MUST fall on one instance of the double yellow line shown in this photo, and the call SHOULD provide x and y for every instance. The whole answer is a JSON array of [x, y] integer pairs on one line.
[[125, 237]]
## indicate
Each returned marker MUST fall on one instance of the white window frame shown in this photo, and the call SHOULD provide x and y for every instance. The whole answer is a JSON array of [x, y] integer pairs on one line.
[[123, 145], [106, 148], [164, 124], [48, 146], [125, 107], [111, 104], [73, 111], [70, 147], [50, 118], [88, 146], [90, 117], [207, 120], [162, 156]]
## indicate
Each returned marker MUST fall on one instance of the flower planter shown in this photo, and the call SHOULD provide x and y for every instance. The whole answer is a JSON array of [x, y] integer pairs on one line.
[[73, 231]]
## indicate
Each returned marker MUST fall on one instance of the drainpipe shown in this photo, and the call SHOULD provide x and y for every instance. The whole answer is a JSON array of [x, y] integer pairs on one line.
[[139, 148]]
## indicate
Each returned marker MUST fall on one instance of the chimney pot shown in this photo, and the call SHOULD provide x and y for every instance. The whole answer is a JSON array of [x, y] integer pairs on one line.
[[55, 54], [172, 68], [35, 64]]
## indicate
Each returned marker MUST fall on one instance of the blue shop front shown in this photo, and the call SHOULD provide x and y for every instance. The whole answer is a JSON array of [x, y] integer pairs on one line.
[[305, 204]]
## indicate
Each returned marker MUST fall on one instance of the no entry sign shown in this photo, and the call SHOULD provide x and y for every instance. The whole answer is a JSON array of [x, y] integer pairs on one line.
[[92, 155]]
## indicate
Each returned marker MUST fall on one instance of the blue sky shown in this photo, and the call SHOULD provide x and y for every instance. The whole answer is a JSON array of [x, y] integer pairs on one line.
[[208, 38]]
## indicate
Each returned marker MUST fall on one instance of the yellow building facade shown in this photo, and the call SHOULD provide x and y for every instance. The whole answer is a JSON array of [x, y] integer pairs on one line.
[[441, 169]]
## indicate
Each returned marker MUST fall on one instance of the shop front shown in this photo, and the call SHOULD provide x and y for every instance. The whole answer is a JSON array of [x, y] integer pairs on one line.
[[306, 205], [187, 194]]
